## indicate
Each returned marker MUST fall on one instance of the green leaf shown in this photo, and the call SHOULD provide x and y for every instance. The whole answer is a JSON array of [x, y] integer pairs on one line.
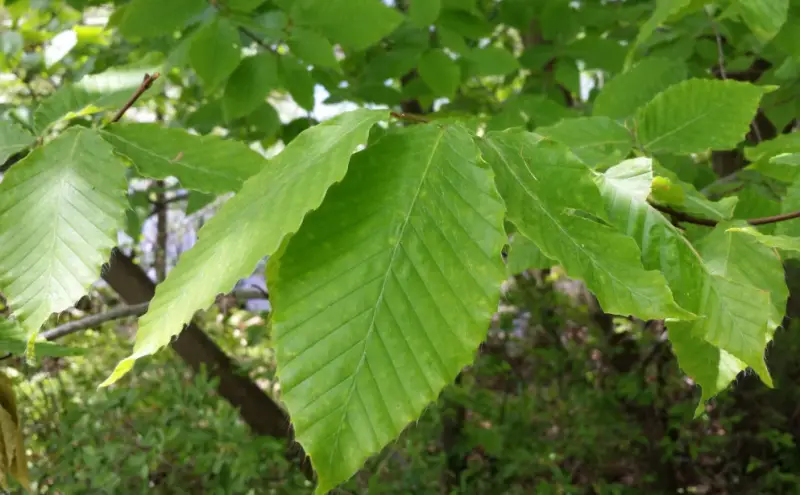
[[467, 24], [782, 242], [627, 92], [13, 339], [745, 260], [597, 141], [790, 204], [764, 17], [270, 206], [13, 139], [312, 47], [531, 177], [60, 209], [67, 102], [150, 18], [663, 11], [215, 52], [698, 114], [525, 255], [491, 61], [424, 12], [298, 81], [97, 92], [441, 73], [250, 84], [396, 299], [202, 163], [705, 347], [243, 5], [356, 24]]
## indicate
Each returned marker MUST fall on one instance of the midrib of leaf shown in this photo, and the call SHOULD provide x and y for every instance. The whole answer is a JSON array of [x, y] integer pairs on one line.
[[677, 129], [379, 302], [554, 220]]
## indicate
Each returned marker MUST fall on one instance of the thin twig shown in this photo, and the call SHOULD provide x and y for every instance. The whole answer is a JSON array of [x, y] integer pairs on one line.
[[95, 320], [146, 83], [685, 217], [410, 117], [720, 51]]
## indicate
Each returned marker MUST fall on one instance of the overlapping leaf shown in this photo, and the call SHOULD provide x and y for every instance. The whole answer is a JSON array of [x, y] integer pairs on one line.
[[385, 293], [542, 184], [782, 242], [597, 141], [13, 139], [764, 17], [731, 330], [60, 209], [525, 255], [270, 206], [202, 163], [356, 24], [698, 114]]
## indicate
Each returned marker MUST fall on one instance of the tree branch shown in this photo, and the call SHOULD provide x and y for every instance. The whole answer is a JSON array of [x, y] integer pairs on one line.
[[94, 320], [685, 217], [146, 83], [126, 311]]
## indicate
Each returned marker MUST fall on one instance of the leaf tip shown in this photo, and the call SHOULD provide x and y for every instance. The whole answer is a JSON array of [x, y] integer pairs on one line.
[[121, 370]]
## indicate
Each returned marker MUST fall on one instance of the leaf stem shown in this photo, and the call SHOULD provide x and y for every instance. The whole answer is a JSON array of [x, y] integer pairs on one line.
[[146, 83], [685, 217]]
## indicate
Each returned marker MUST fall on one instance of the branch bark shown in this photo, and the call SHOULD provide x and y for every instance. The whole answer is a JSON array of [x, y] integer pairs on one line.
[[257, 409]]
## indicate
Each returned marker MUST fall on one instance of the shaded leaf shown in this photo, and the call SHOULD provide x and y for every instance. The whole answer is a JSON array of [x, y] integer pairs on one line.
[[525, 255], [597, 141], [424, 12], [625, 93], [312, 47], [203, 163], [215, 52], [356, 24], [764, 17], [491, 61], [270, 206], [441, 73], [249, 84], [149, 18], [13, 139]]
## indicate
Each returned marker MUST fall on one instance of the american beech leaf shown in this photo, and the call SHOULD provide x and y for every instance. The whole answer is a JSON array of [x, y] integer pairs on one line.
[[542, 184], [202, 163], [395, 299], [270, 206], [60, 209], [731, 329]]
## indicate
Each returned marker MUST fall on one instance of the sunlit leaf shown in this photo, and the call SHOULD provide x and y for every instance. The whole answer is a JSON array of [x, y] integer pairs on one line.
[[395, 301], [270, 206]]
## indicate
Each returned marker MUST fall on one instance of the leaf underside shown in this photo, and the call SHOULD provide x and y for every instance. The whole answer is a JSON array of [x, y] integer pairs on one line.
[[53, 245]]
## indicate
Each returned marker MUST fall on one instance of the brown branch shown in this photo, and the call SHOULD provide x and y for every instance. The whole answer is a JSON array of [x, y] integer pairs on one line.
[[685, 217], [119, 312], [146, 83], [410, 117]]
